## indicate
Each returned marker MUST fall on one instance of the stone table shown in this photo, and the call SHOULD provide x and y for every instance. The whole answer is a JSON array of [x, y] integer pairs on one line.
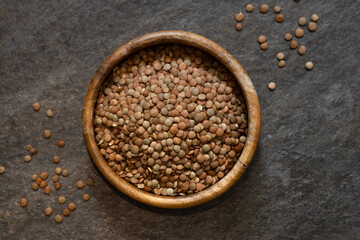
[[304, 181]]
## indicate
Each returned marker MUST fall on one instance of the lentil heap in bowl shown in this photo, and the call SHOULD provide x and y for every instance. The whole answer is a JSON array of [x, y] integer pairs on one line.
[[171, 120]]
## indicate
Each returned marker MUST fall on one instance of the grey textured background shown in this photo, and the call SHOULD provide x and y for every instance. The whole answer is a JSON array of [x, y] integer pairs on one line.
[[303, 183]]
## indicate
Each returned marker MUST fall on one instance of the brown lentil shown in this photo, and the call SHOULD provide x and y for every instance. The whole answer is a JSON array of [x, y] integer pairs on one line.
[[56, 159], [309, 65], [28, 147], [61, 200], [49, 113], [279, 18], [91, 181], [249, 7], [57, 185], [36, 106], [27, 158], [72, 206], [281, 63], [239, 17], [288, 36], [2, 169], [264, 46], [23, 202], [48, 211], [55, 178], [60, 143], [277, 9], [66, 212], [299, 32], [86, 197], [314, 17], [312, 26], [80, 184], [264, 8], [58, 170], [44, 175], [271, 85], [47, 190], [293, 44], [280, 56], [34, 186], [302, 49], [58, 218], [34, 177], [65, 173], [47, 134], [238, 27], [302, 21], [261, 39], [33, 151]]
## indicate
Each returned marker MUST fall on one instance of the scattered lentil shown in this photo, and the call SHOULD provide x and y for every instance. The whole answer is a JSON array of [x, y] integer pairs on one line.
[[33, 151], [314, 17], [264, 46], [48, 211], [27, 158], [279, 18], [23, 202], [312, 26], [47, 133], [36, 106], [80, 184], [280, 56], [57, 185], [72, 206], [293, 44], [58, 170], [34, 186], [49, 113], [34, 177], [288, 36], [28, 147], [47, 190], [261, 39], [56, 159], [44, 175], [302, 49], [238, 27], [86, 197], [239, 17], [2, 169], [66, 212], [302, 21], [65, 173], [277, 9], [271, 85], [309, 65], [60, 143], [249, 7], [62, 200], [90, 181], [58, 218], [299, 32], [264, 8], [281, 63]]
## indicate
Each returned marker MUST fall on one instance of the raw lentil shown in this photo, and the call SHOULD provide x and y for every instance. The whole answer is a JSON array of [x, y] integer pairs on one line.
[[60, 143], [302, 21], [264, 8], [80, 184], [309, 65], [312, 26], [302, 49], [34, 177], [56, 159], [293, 44], [279, 18], [34, 186], [2, 169], [44, 175], [66, 212], [281, 63], [23, 202], [65, 173], [57, 185], [239, 17], [58, 218], [264, 46], [299, 32], [36, 106], [27, 158], [261, 38], [72, 206], [277, 9], [49, 113], [280, 56], [47, 134], [33, 151], [47, 190], [90, 181], [86, 197], [62, 200], [249, 7], [314, 17], [238, 27], [58, 170], [271, 85], [288, 36], [28, 147], [48, 211]]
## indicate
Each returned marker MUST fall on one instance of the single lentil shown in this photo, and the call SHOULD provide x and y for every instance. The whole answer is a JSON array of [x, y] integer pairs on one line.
[[47, 133], [238, 27], [312, 26], [44, 175], [279, 18], [60, 143], [302, 49], [288, 36], [239, 17], [72, 206], [58, 218], [56, 159], [249, 7], [90, 181], [280, 56], [2, 169], [34, 186], [65, 173], [80, 184], [33, 151], [27, 158], [264, 8], [48, 211], [264, 46], [314, 17], [23, 202], [302, 21], [49, 113], [261, 38], [36, 106], [28, 147], [271, 85], [281, 63], [293, 44], [277, 9], [58, 170], [309, 65], [86, 197], [66, 212], [61, 200], [299, 32], [47, 190]]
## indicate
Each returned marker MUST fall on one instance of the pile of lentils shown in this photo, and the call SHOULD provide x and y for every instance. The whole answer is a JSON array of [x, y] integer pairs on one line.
[[171, 120]]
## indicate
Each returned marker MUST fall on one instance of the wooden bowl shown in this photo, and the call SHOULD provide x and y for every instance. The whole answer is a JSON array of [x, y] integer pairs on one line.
[[221, 55]]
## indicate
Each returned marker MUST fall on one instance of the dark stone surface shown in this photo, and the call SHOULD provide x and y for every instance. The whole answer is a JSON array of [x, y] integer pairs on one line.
[[304, 182]]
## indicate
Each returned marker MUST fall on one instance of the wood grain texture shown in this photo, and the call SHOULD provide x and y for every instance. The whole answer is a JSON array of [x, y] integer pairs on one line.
[[221, 55]]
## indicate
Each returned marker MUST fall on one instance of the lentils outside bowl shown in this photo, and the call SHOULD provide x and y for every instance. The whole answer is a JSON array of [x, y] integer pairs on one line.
[[219, 54]]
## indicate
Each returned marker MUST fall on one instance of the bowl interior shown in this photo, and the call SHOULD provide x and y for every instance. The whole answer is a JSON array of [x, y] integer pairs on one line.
[[219, 54]]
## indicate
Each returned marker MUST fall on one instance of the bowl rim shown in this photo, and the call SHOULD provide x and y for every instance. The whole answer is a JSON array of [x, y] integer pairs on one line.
[[218, 53]]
